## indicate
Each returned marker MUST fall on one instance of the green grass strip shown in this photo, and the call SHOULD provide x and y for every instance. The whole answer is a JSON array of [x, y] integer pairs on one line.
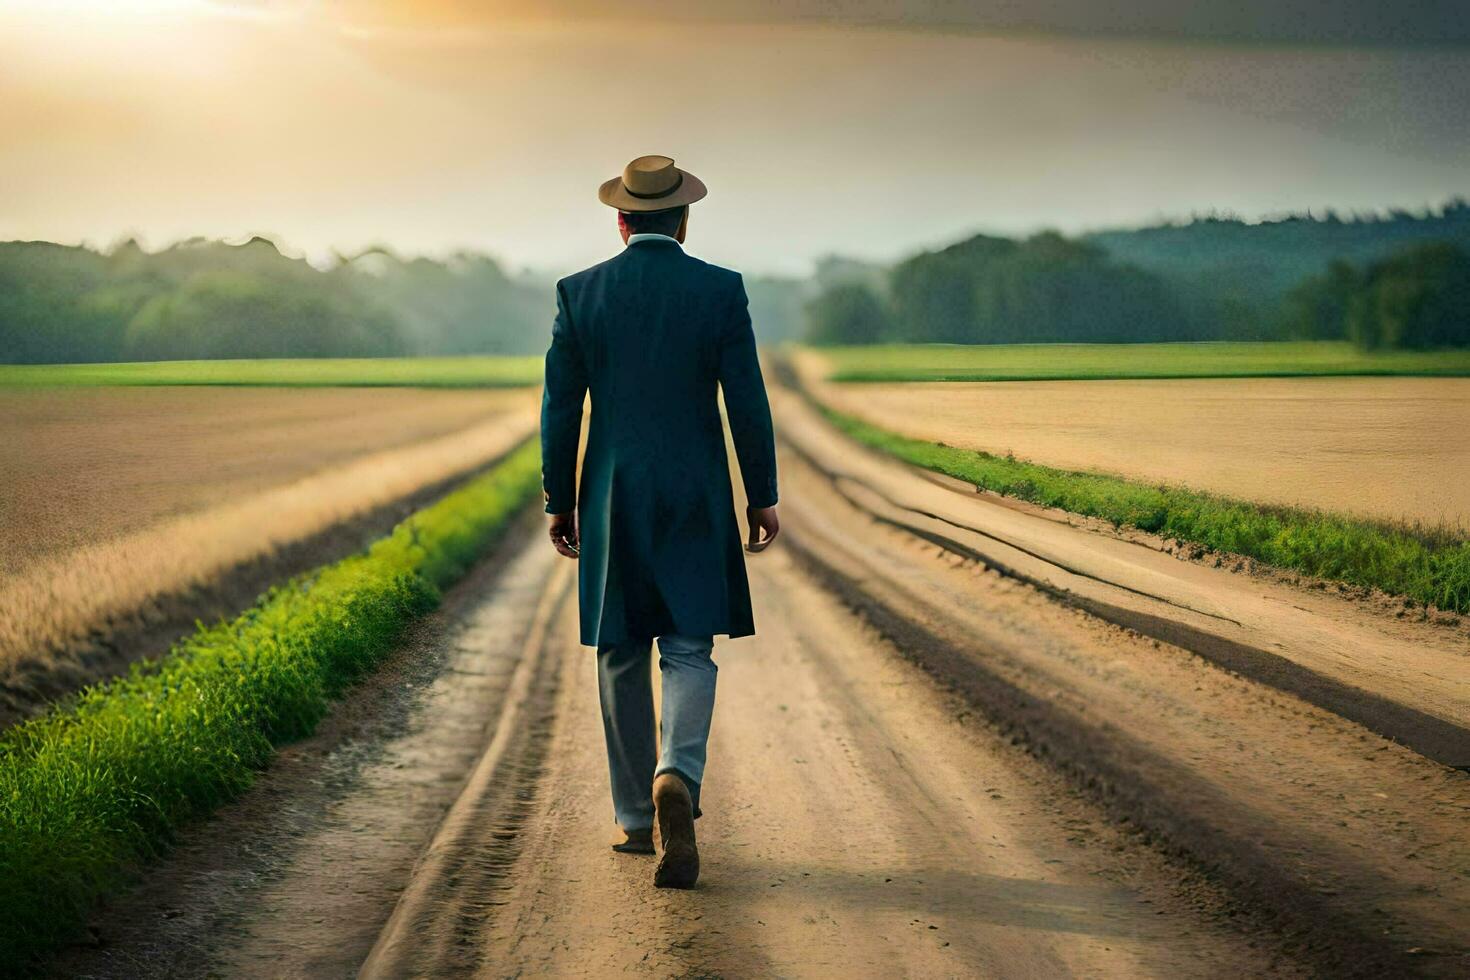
[[1429, 565], [1089, 362], [102, 781], [382, 372]]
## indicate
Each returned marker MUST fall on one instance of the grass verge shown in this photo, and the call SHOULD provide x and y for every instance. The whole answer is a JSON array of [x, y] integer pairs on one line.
[[103, 781], [381, 372], [1427, 565], [1089, 362]]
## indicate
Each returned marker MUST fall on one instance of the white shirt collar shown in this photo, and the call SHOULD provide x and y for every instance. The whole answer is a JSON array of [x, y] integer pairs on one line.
[[650, 237]]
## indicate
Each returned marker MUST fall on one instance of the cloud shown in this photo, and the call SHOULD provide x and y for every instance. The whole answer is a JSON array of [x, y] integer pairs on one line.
[[1347, 22]]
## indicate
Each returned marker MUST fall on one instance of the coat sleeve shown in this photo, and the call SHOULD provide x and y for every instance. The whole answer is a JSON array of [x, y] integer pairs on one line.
[[561, 412], [746, 406]]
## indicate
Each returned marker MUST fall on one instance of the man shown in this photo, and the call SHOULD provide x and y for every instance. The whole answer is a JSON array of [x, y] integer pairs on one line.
[[651, 334]]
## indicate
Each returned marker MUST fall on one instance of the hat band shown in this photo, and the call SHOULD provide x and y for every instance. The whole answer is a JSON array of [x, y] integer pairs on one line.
[[655, 196]]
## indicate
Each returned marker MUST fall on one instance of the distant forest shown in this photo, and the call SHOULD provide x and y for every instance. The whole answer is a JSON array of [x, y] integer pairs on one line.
[[209, 299], [1396, 280]]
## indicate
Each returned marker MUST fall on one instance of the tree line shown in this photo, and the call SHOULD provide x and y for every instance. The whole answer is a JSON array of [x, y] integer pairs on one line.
[[1381, 280], [985, 290], [1416, 298], [1398, 287], [209, 299]]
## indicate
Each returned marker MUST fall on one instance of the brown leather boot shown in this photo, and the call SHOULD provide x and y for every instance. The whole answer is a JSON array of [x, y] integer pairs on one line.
[[673, 814]]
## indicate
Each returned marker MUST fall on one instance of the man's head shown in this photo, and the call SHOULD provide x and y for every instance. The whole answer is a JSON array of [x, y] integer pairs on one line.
[[652, 196], [673, 222]]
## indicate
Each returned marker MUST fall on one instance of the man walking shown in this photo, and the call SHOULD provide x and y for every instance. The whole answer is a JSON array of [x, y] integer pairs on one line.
[[652, 333]]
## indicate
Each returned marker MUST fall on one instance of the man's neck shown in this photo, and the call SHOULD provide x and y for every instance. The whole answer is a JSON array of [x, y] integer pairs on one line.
[[649, 236]]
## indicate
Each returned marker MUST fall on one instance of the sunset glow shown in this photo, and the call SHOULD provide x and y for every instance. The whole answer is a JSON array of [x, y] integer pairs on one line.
[[335, 126]]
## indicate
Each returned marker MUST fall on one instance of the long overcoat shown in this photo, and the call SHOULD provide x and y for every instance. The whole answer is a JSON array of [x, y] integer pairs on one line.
[[653, 334]]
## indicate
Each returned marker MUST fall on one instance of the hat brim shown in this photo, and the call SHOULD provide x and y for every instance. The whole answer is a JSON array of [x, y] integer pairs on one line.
[[615, 195]]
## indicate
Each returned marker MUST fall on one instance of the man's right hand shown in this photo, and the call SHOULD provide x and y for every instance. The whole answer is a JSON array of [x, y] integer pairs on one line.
[[563, 529], [761, 519]]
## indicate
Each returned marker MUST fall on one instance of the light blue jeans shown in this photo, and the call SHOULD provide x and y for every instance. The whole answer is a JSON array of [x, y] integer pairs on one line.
[[635, 753]]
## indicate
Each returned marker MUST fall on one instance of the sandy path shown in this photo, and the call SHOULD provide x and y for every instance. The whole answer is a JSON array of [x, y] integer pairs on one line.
[[853, 827]]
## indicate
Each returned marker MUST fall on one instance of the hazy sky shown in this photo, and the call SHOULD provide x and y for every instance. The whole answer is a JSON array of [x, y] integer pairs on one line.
[[865, 128]]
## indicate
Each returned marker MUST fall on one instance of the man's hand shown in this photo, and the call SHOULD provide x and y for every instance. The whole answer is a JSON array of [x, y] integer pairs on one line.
[[564, 534], [761, 519]]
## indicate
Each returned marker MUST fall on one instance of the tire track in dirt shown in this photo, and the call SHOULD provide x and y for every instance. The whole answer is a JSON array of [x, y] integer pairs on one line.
[[1368, 661], [298, 876], [1434, 738], [1356, 849], [1431, 736], [466, 863]]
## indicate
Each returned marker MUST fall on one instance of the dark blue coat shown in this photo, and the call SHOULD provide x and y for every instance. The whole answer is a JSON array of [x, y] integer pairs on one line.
[[652, 334]]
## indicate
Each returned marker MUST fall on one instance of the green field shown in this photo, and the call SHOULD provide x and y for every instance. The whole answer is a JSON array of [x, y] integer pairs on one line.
[[408, 372], [1428, 565], [105, 780], [1085, 362]]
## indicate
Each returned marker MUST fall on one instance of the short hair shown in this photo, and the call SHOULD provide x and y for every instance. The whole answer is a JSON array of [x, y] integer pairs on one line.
[[664, 222]]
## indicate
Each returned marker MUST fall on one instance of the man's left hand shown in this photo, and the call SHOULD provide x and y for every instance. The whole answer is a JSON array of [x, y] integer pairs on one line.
[[764, 526]]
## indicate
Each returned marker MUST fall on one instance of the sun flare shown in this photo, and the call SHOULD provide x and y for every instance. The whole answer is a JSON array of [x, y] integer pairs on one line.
[[111, 8]]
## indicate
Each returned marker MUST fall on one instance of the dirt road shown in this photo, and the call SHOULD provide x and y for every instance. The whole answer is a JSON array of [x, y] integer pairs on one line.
[[932, 761], [858, 821], [854, 828]]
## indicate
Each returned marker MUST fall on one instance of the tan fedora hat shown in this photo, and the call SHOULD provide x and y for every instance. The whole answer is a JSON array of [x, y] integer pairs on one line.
[[651, 183]]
